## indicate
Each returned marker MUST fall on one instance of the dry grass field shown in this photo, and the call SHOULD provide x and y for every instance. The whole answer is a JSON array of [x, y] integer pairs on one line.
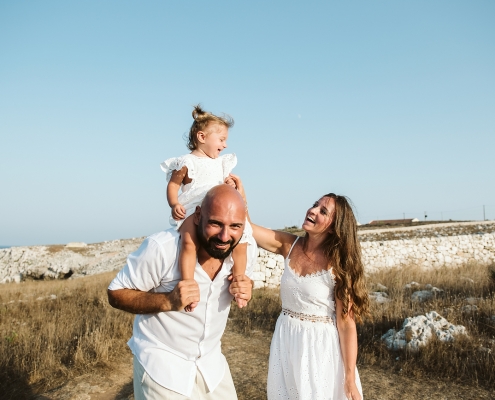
[[55, 334]]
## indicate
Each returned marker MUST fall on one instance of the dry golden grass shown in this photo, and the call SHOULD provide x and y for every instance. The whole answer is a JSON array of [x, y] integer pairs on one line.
[[46, 342], [468, 359]]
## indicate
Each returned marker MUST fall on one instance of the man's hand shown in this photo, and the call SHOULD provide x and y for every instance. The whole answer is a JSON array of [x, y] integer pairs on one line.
[[178, 212], [138, 302], [185, 293], [241, 287]]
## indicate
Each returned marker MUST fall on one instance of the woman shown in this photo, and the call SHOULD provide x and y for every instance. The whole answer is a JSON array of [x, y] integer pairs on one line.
[[314, 347]]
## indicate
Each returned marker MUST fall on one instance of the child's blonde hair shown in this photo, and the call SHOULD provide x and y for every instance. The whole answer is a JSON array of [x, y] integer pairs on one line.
[[201, 120]]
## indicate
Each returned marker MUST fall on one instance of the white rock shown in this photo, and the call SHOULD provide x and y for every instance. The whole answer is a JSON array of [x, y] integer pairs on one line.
[[76, 245], [473, 300], [422, 295], [379, 297], [258, 276], [411, 285], [418, 331], [469, 308]]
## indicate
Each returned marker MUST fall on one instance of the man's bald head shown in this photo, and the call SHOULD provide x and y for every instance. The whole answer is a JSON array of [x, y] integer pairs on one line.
[[223, 194]]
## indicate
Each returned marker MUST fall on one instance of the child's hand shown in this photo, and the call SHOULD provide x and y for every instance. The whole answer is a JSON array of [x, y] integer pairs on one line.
[[178, 212], [229, 181]]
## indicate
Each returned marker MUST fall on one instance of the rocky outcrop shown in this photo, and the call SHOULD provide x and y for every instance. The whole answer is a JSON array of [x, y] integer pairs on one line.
[[418, 331], [59, 261]]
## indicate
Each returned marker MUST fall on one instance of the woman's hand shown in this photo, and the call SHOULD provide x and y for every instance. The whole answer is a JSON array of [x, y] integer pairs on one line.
[[351, 390], [238, 185], [229, 181], [178, 212]]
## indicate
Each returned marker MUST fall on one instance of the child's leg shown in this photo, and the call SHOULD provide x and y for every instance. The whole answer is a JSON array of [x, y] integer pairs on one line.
[[240, 260], [188, 252]]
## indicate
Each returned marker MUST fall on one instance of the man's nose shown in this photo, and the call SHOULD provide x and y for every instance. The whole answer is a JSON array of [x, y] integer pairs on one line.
[[223, 235]]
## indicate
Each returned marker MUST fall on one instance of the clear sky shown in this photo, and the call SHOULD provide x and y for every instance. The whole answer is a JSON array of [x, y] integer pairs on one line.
[[390, 103]]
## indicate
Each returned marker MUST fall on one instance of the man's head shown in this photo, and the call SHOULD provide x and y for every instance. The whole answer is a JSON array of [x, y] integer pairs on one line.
[[220, 220]]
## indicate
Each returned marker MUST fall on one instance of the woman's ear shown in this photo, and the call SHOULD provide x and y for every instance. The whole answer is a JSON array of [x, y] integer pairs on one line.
[[201, 136]]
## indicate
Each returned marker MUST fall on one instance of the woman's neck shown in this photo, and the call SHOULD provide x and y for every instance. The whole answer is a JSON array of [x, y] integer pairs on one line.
[[312, 243]]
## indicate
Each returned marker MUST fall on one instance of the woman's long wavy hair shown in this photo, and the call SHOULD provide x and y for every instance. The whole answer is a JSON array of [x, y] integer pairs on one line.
[[343, 251]]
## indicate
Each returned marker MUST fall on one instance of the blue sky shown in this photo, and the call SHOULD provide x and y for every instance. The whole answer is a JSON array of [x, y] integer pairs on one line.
[[390, 103]]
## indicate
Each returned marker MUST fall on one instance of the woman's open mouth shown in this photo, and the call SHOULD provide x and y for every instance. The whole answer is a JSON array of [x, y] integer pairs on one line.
[[309, 219]]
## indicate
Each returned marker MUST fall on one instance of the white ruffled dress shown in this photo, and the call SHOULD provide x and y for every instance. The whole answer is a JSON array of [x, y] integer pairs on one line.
[[205, 173], [305, 357]]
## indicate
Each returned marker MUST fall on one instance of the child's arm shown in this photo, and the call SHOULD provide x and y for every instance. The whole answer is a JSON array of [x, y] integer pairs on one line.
[[348, 347], [178, 176]]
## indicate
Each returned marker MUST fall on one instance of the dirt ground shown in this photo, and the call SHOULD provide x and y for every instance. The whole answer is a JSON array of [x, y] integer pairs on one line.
[[248, 360]]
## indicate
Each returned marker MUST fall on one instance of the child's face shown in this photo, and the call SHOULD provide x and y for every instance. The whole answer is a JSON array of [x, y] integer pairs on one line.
[[214, 139]]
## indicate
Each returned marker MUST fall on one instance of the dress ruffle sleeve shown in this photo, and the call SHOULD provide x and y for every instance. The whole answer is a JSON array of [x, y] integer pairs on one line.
[[229, 161], [176, 164]]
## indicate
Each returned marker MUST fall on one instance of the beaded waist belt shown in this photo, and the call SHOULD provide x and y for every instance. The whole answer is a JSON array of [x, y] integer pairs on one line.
[[307, 317]]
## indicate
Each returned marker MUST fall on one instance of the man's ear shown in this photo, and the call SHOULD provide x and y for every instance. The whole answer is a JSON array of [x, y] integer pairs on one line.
[[197, 215], [201, 136]]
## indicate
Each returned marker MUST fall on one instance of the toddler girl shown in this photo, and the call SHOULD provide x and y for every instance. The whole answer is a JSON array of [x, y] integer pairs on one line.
[[196, 173]]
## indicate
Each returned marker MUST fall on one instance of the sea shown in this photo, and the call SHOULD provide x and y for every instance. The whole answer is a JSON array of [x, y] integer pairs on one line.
[[4, 247]]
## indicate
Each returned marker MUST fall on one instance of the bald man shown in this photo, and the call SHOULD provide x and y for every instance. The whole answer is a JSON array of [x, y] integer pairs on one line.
[[177, 355]]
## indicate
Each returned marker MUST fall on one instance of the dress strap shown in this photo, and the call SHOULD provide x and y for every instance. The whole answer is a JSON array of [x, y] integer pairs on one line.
[[291, 247]]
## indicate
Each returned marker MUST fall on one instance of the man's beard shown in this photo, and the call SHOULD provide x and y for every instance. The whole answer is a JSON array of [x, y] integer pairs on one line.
[[209, 245]]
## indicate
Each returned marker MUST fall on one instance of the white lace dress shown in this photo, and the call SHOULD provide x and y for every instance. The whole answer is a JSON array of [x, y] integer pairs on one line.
[[305, 358]]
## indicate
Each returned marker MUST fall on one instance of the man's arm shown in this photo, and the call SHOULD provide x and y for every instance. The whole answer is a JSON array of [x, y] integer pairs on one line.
[[138, 302]]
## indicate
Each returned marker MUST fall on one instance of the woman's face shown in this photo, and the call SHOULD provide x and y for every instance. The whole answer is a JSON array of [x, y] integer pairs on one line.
[[319, 218]]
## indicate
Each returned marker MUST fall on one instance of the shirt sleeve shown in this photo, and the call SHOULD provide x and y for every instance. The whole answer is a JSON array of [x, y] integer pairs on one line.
[[144, 269]]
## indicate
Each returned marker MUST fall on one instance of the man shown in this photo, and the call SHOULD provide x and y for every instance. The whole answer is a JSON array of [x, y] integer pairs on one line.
[[177, 355]]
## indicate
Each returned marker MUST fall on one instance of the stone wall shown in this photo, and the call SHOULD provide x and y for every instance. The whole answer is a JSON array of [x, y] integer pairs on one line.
[[429, 247], [428, 252]]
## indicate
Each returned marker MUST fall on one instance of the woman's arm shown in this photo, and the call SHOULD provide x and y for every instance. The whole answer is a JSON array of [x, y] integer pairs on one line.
[[349, 348], [275, 241]]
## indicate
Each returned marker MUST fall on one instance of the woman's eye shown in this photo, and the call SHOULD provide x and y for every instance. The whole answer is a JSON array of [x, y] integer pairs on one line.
[[315, 204]]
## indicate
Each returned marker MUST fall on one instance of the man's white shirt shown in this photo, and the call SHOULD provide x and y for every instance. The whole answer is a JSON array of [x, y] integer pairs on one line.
[[171, 345]]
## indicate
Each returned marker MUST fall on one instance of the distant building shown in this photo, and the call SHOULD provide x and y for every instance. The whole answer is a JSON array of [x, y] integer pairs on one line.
[[393, 221]]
